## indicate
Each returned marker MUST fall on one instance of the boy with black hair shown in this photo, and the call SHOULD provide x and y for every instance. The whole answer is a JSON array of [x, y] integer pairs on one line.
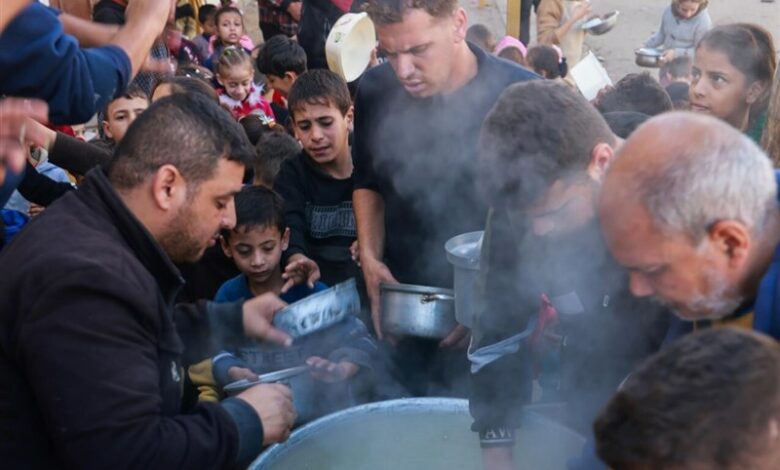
[[317, 184], [636, 92], [336, 355], [282, 61], [207, 19], [678, 74]]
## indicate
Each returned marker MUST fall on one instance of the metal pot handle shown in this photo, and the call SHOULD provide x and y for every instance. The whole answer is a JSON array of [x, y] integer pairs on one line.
[[426, 298]]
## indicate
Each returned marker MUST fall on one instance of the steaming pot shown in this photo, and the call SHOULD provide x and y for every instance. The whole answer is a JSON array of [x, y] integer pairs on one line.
[[414, 433], [409, 310], [463, 253]]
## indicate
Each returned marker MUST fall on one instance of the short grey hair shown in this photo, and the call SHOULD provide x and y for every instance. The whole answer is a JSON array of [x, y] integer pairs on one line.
[[726, 177]]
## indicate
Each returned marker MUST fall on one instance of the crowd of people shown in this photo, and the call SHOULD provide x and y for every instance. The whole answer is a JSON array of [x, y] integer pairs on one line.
[[630, 242]]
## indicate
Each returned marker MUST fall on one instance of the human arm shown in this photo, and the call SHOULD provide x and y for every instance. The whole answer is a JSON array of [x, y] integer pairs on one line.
[[88, 33], [10, 9], [550, 30], [15, 115], [355, 353], [40, 189], [658, 39], [69, 153]]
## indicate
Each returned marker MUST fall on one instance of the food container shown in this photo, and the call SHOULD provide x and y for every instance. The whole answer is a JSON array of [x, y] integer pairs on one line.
[[278, 376], [648, 57], [601, 24], [319, 311], [463, 253], [415, 433], [297, 378], [350, 44], [422, 311]]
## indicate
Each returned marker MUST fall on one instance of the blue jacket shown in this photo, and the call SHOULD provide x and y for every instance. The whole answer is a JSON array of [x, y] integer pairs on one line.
[[38, 60]]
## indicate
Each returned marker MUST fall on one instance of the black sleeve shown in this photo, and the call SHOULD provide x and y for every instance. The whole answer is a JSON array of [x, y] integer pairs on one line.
[[290, 185], [500, 389], [364, 174], [40, 189], [77, 156]]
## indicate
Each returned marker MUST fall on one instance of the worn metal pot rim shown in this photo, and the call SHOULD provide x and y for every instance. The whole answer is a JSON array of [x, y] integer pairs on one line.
[[458, 240], [270, 377], [414, 289]]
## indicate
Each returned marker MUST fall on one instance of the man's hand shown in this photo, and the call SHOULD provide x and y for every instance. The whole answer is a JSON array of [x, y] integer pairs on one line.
[[330, 372], [273, 404], [300, 269], [457, 339], [295, 10], [354, 250], [582, 10], [497, 458], [14, 131], [258, 315], [375, 273], [240, 373]]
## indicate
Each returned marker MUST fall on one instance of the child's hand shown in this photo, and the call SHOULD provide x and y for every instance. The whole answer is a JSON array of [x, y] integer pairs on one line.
[[331, 372], [240, 373], [582, 10], [668, 56], [300, 269]]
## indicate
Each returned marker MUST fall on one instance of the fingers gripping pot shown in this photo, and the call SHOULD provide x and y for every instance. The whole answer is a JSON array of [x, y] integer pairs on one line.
[[297, 378], [422, 311]]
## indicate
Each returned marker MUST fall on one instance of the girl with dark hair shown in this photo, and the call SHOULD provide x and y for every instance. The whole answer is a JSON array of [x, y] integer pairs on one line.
[[732, 75]]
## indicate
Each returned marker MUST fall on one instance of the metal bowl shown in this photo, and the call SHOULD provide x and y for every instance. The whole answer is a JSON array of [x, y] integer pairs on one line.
[[319, 311], [647, 57], [601, 24], [414, 433], [422, 311]]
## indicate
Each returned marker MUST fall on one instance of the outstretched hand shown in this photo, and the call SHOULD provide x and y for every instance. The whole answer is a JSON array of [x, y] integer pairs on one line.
[[300, 269]]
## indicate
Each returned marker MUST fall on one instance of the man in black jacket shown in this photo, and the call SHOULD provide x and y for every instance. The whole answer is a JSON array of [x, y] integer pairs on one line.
[[91, 345]]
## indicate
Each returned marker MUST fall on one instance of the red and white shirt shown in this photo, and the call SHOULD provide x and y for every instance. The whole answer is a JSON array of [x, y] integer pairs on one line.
[[255, 101]]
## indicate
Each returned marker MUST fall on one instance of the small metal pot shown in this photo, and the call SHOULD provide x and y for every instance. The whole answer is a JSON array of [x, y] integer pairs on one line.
[[463, 252], [319, 311], [602, 24], [409, 310], [646, 57]]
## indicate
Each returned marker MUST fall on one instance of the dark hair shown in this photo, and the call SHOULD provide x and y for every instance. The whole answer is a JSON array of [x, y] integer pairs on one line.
[[256, 124], [704, 402], [636, 92], [750, 50], [257, 206], [232, 56], [624, 123], [279, 55], [480, 35], [679, 67], [384, 12], [539, 131], [319, 86], [190, 132], [226, 10], [133, 91], [512, 54], [188, 85], [273, 149], [205, 12], [544, 58], [679, 93]]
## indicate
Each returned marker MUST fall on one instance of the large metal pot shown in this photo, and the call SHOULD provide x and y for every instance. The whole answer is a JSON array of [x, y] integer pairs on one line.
[[412, 434], [647, 57], [422, 311], [463, 253]]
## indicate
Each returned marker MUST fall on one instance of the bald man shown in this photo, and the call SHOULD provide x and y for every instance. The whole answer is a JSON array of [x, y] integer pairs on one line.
[[690, 208]]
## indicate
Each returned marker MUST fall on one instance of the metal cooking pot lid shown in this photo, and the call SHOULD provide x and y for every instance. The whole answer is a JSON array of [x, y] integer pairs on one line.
[[413, 289]]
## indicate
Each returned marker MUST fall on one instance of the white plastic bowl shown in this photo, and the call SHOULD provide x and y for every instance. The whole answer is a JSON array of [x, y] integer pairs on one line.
[[349, 45]]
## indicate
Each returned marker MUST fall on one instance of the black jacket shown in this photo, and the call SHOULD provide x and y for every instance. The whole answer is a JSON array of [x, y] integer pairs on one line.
[[92, 348]]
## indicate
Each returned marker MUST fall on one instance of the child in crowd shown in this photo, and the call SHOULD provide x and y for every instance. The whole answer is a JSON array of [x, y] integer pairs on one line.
[[340, 357], [207, 19], [510, 48], [683, 24], [678, 74], [317, 184], [637, 92], [480, 36], [273, 149], [184, 85], [281, 60], [121, 112], [230, 32], [182, 51], [548, 62], [238, 91], [559, 24], [733, 68]]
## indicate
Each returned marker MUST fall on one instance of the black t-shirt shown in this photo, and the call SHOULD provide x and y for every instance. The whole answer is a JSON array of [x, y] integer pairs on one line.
[[318, 210], [420, 154]]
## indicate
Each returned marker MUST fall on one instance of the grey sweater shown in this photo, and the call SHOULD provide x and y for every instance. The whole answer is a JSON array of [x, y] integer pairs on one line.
[[679, 34]]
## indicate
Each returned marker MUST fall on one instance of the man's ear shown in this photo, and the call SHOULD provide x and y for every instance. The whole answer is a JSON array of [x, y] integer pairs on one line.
[[286, 239], [731, 238], [460, 24], [169, 190], [600, 158], [107, 130]]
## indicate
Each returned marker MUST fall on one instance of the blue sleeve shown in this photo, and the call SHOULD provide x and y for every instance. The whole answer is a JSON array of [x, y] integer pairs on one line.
[[38, 60], [318, 287], [222, 293], [357, 346], [221, 363]]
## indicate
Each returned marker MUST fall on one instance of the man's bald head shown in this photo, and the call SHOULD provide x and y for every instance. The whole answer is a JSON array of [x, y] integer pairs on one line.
[[688, 171]]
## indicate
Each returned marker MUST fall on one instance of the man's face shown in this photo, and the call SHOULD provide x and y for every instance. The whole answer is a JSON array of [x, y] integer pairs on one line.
[[421, 49], [257, 251], [206, 211], [717, 87], [696, 280], [323, 131], [281, 84], [565, 207], [120, 114]]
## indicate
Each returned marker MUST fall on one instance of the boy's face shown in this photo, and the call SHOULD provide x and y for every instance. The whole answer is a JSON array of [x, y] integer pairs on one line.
[[282, 84], [120, 114], [323, 131], [210, 25], [257, 251], [237, 82], [230, 28]]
